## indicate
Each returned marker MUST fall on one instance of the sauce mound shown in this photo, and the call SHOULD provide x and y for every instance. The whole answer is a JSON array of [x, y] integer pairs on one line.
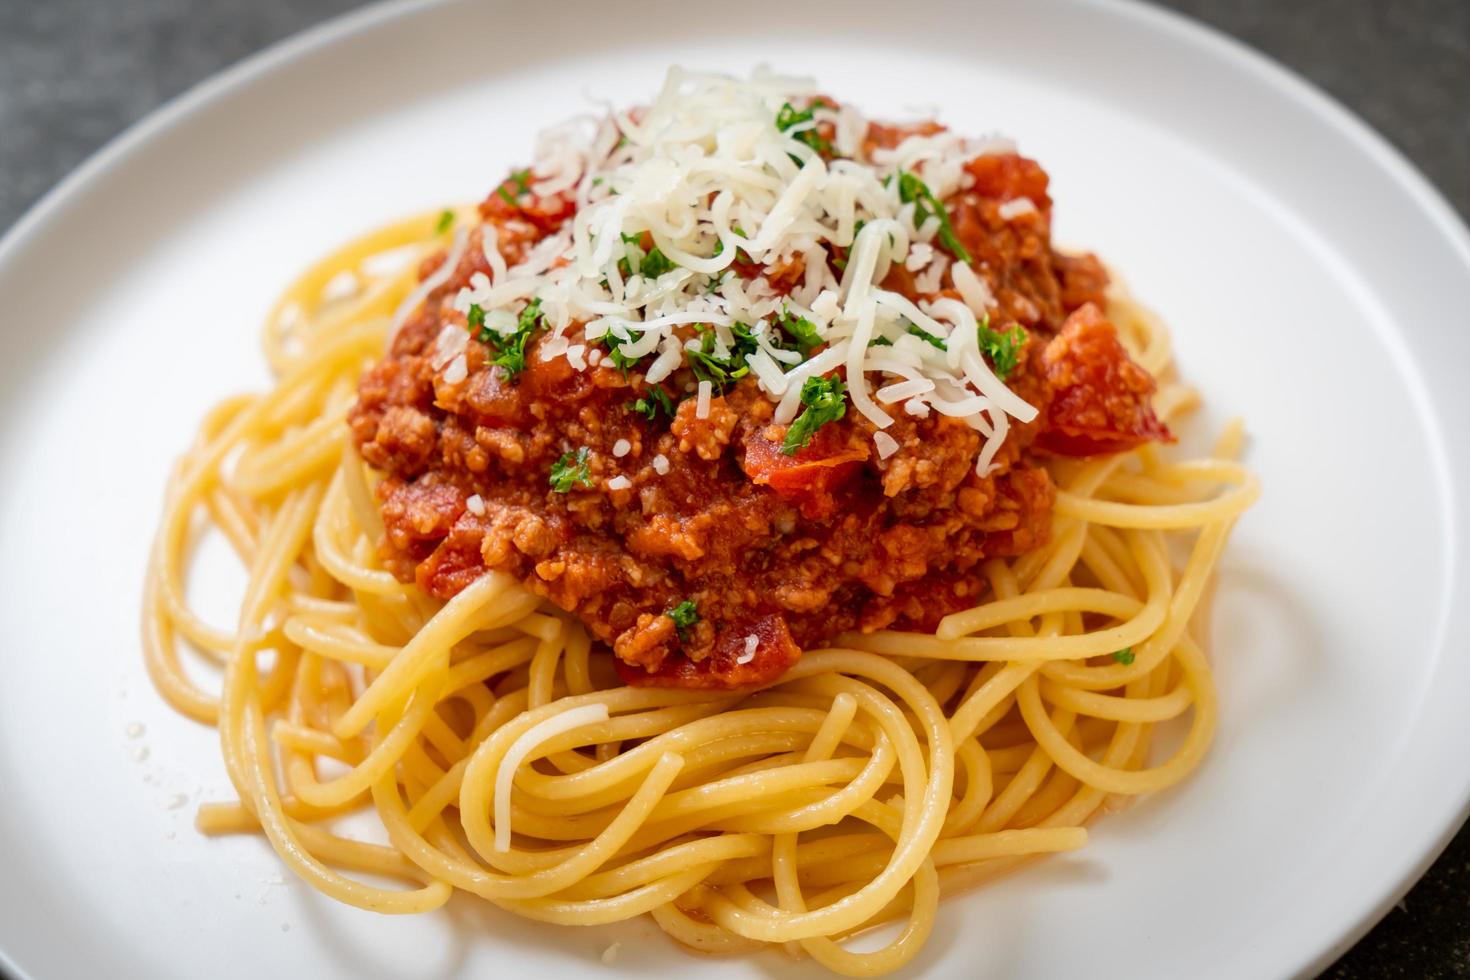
[[681, 526]]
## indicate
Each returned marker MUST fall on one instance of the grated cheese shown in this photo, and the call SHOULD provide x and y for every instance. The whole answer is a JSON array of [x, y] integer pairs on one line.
[[476, 505], [704, 176], [622, 448], [748, 654], [619, 482], [885, 443], [521, 749], [1016, 207], [660, 464]]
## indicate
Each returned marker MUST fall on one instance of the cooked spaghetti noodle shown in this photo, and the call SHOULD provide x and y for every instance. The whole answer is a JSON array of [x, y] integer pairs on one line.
[[503, 756]]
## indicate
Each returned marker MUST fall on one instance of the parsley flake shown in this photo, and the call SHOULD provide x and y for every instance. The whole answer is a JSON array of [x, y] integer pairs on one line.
[[1124, 656], [684, 615], [613, 342], [1003, 349], [801, 330], [446, 221], [652, 403], [570, 470], [650, 264], [508, 351], [826, 401], [912, 190], [928, 337], [522, 181], [718, 371], [790, 116]]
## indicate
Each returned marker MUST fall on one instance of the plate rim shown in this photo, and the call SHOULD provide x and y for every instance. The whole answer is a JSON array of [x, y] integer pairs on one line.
[[1389, 160]]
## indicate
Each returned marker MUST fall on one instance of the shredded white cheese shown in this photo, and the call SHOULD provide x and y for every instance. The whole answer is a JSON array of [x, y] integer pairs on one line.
[[521, 749], [885, 443], [476, 505], [660, 464], [622, 448], [748, 654], [619, 482], [667, 201]]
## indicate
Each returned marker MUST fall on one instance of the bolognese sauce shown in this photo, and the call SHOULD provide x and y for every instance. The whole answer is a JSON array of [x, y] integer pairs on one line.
[[705, 543]]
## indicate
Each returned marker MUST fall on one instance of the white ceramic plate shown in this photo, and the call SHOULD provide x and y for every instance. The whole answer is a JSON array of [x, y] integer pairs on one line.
[[1316, 286]]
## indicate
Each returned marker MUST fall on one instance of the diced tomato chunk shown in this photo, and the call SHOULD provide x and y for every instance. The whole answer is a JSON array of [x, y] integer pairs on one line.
[[1006, 176], [809, 478], [1100, 397], [729, 666], [547, 213]]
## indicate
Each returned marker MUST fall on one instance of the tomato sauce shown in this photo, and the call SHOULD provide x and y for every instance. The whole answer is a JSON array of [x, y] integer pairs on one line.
[[776, 553]]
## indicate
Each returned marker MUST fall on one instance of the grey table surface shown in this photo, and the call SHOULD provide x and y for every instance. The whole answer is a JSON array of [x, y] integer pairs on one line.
[[73, 73]]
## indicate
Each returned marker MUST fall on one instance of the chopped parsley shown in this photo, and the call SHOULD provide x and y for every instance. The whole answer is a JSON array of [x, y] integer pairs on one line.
[[508, 351], [570, 470], [684, 615], [650, 264], [880, 342], [655, 401], [446, 221], [1003, 349], [928, 337], [613, 344], [801, 330], [913, 190], [522, 181], [655, 264], [790, 116], [718, 371], [1124, 656], [826, 401]]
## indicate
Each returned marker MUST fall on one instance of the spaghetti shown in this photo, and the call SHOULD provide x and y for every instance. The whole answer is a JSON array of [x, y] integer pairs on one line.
[[505, 758]]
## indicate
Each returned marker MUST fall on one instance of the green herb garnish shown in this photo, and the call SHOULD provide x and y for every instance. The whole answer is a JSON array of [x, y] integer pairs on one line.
[[716, 370], [508, 351], [826, 401], [684, 615], [790, 116], [613, 343], [522, 181], [913, 190], [652, 403], [1124, 656], [569, 470], [928, 337], [446, 221], [801, 330], [1003, 349], [650, 264], [655, 264]]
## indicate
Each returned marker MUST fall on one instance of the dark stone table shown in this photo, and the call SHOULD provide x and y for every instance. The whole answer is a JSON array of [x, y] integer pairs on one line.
[[73, 73]]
